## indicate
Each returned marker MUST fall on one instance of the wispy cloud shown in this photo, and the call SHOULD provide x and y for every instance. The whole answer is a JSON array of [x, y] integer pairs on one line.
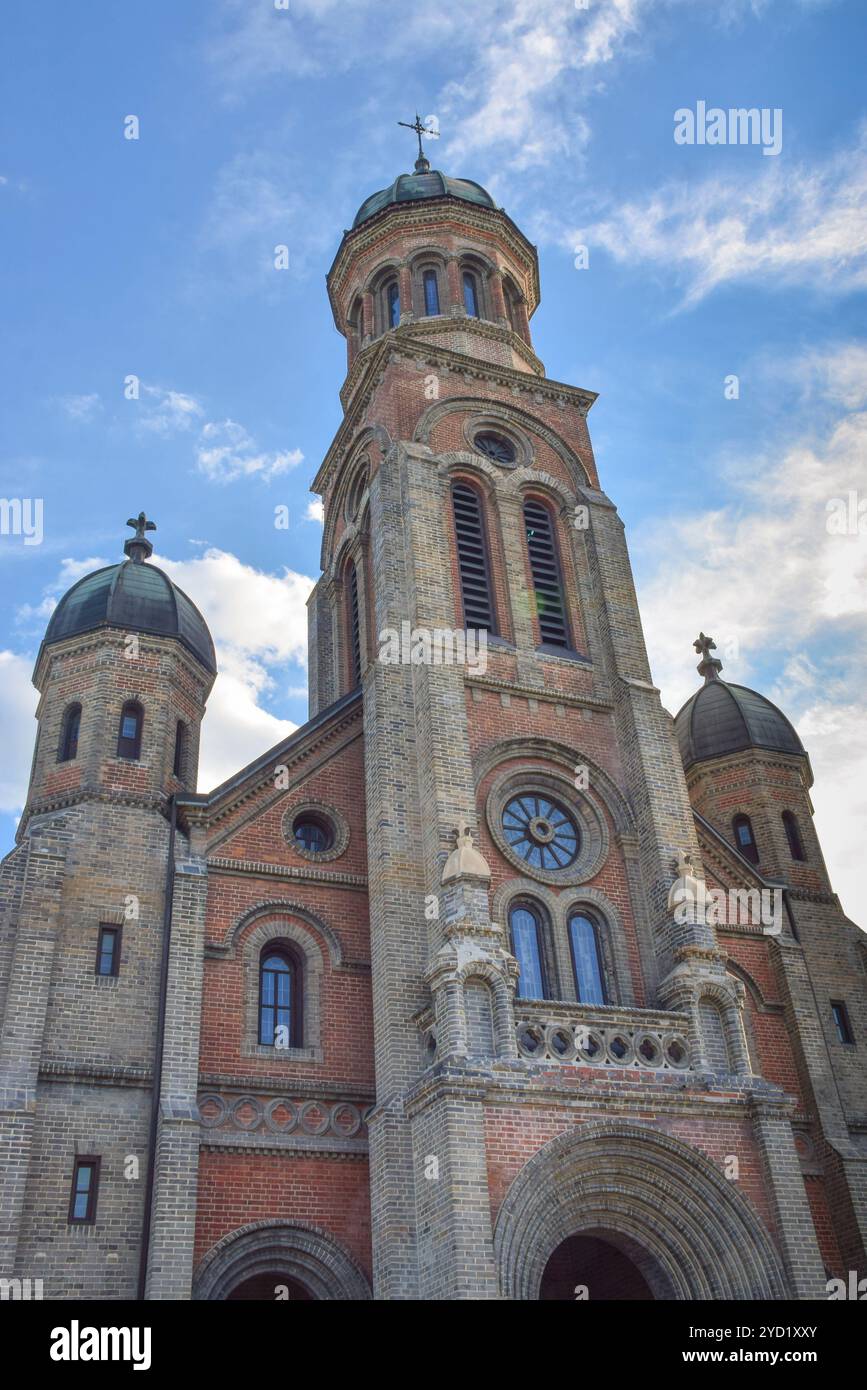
[[226, 451], [82, 408], [166, 412], [798, 224], [765, 574]]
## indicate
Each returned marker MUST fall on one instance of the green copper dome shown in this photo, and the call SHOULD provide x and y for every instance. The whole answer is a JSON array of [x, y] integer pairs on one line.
[[136, 597], [721, 718], [415, 188]]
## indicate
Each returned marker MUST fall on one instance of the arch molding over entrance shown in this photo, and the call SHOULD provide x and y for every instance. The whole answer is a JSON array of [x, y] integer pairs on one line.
[[300, 1253], [698, 1236]]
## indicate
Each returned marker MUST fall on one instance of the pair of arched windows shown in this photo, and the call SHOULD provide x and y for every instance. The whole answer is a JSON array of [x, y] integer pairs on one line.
[[528, 928], [745, 838], [280, 997], [474, 567]]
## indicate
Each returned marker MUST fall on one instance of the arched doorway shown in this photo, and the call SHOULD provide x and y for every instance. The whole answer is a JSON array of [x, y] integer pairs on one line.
[[593, 1268], [263, 1259], [270, 1288], [660, 1204]]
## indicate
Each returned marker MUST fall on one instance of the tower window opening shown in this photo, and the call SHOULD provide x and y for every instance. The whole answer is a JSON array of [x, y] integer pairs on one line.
[[354, 628], [392, 304], [179, 760], [547, 579], [473, 563], [745, 840], [69, 735], [840, 1014], [129, 733], [471, 294], [279, 1000], [431, 293], [793, 835]]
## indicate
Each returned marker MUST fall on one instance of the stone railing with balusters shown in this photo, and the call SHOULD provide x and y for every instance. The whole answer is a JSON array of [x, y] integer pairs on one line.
[[600, 1035]]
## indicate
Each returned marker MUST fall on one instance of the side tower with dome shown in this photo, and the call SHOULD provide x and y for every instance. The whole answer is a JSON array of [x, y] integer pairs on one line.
[[123, 674]]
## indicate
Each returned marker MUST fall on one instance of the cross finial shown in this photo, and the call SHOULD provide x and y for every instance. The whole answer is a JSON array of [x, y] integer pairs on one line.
[[138, 547], [709, 666], [422, 164]]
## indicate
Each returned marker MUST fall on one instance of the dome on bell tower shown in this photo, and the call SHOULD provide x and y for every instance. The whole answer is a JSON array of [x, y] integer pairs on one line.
[[414, 188], [722, 718], [133, 596]]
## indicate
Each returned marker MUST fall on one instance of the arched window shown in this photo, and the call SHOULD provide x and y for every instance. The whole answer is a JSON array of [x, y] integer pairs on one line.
[[354, 324], [392, 304], [353, 618], [180, 759], [471, 294], [510, 295], [430, 285], [745, 839], [793, 835], [473, 558], [280, 1021], [129, 733], [547, 578], [526, 932], [586, 960], [69, 734]]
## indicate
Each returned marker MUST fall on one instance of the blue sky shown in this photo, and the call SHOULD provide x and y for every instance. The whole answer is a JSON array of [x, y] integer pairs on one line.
[[262, 126]]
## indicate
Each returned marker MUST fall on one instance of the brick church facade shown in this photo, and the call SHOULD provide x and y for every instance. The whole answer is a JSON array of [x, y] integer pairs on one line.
[[424, 1002]]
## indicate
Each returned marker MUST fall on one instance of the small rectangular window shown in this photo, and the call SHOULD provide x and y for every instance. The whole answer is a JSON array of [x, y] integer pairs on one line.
[[108, 951], [841, 1022], [85, 1185]]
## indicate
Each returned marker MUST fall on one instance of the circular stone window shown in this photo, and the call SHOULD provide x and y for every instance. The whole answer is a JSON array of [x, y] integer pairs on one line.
[[495, 446], [545, 828], [315, 831], [541, 832]]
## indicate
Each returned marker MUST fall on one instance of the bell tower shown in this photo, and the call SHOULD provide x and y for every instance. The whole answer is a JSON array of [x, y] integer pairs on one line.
[[526, 803]]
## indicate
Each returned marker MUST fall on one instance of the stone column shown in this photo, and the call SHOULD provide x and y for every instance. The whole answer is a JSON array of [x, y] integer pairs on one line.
[[788, 1195]]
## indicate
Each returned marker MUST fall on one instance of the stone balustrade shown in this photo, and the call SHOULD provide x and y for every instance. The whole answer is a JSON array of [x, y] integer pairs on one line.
[[602, 1036]]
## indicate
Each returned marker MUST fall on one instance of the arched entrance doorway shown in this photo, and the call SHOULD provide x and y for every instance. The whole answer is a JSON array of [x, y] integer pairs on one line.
[[665, 1207], [272, 1260], [269, 1288], [593, 1268]]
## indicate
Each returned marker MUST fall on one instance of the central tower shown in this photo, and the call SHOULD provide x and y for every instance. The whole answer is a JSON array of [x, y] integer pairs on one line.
[[525, 813]]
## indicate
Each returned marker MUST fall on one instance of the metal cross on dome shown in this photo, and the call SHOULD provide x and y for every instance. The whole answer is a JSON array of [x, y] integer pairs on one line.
[[704, 645], [140, 524], [422, 164], [709, 666], [138, 547]]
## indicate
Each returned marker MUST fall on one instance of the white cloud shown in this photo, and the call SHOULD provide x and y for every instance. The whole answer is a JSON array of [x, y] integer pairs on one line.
[[226, 451], [765, 577], [18, 700], [259, 625], [70, 570], [167, 412], [784, 224], [82, 409], [316, 511]]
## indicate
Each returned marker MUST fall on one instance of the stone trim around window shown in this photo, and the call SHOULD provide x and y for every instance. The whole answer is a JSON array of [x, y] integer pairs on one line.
[[289, 929], [321, 809], [591, 822]]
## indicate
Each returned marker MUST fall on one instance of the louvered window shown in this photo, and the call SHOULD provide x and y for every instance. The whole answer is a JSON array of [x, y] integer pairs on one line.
[[354, 627], [547, 580], [472, 558]]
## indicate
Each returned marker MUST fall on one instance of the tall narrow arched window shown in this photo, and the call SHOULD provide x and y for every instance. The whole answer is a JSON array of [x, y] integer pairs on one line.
[[586, 960], [354, 323], [129, 733], [745, 840], [68, 749], [280, 1021], [471, 294], [510, 295], [473, 559], [353, 619], [526, 932], [180, 759], [793, 835], [392, 304], [430, 284], [547, 577]]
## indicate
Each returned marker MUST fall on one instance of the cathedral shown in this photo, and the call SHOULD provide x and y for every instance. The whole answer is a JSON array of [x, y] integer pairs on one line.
[[492, 980]]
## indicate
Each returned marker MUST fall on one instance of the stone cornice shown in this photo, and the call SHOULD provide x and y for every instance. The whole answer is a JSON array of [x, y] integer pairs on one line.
[[399, 344], [88, 794], [289, 873], [95, 1074]]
